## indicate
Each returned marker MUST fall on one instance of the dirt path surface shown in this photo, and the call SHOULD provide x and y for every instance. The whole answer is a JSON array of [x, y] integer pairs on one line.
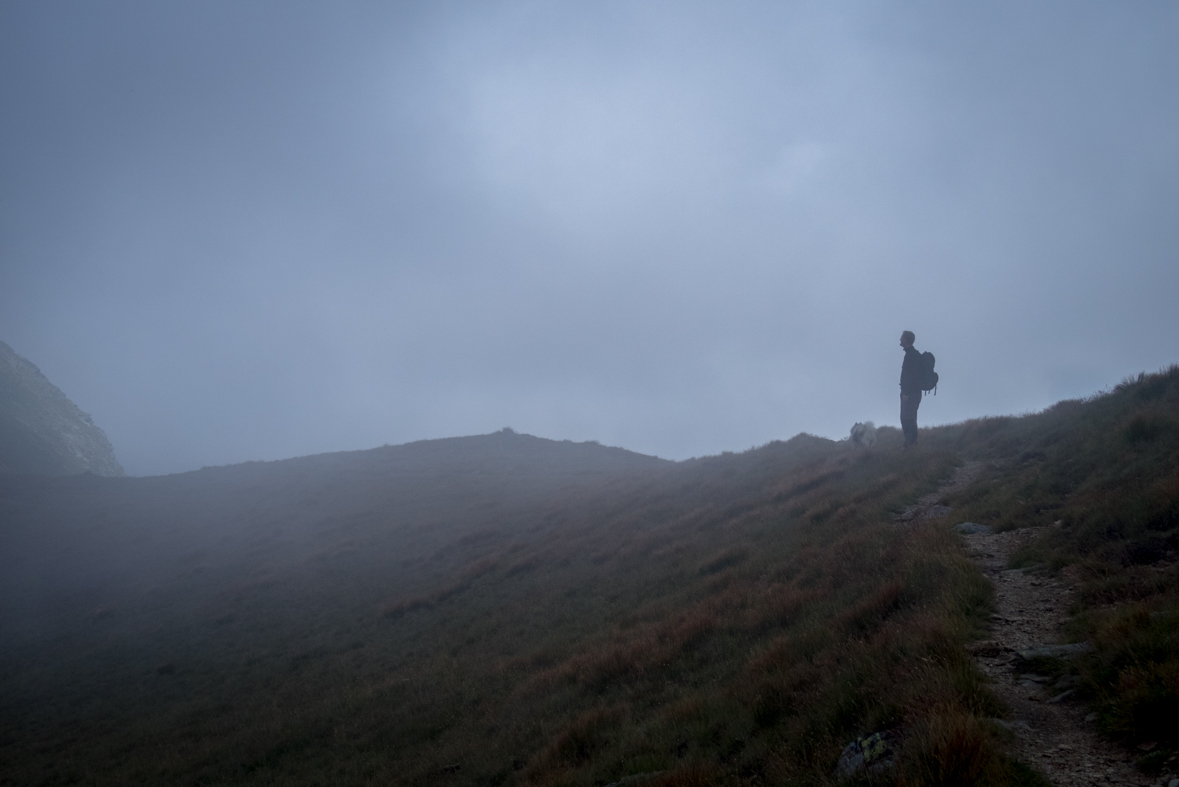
[[1051, 732], [932, 506]]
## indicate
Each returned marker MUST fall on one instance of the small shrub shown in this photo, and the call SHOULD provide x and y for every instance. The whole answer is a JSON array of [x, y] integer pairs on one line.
[[1145, 428], [773, 703], [1145, 551], [953, 749], [580, 741], [1134, 671]]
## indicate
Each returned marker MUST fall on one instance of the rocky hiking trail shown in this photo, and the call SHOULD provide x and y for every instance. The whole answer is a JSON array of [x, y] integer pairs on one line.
[[1051, 731]]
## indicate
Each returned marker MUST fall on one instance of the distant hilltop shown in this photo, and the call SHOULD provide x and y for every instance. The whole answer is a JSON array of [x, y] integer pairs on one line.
[[41, 431]]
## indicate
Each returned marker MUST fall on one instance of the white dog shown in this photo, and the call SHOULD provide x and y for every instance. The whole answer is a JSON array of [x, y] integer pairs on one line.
[[863, 435]]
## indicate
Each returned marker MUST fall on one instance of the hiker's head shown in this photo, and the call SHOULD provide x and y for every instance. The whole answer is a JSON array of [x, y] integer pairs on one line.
[[907, 339]]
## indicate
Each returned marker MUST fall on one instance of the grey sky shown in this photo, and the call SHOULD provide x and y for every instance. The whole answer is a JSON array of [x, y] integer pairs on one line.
[[238, 230]]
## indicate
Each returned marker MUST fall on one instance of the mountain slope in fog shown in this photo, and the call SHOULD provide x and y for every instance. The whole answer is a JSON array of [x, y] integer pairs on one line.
[[507, 610], [383, 517], [485, 602], [41, 431]]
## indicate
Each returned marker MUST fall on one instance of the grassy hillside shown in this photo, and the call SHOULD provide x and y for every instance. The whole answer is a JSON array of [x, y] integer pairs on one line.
[[1104, 475], [508, 610]]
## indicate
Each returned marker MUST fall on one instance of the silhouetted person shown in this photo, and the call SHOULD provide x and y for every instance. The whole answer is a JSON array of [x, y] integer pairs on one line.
[[910, 388]]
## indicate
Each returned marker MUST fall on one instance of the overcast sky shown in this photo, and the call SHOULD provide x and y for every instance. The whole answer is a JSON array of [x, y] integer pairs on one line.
[[247, 230]]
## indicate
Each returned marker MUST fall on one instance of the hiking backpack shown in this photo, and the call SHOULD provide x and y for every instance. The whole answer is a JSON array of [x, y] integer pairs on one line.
[[928, 376]]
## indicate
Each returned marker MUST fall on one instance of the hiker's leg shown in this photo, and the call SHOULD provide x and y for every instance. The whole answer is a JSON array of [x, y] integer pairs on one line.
[[909, 416], [915, 401]]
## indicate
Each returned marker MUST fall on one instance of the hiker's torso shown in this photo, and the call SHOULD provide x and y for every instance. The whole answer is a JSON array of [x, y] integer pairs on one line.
[[911, 371]]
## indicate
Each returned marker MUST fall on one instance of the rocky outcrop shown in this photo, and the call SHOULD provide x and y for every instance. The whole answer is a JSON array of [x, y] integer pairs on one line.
[[41, 431]]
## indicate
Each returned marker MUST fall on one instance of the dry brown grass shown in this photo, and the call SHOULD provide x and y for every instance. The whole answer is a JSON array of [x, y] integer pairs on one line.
[[953, 748], [729, 620]]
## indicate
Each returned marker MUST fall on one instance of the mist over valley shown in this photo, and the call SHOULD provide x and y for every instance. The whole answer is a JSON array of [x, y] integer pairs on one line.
[[509, 609], [704, 259]]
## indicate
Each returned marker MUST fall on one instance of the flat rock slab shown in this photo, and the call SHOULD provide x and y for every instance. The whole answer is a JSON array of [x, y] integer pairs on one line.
[[1063, 652]]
